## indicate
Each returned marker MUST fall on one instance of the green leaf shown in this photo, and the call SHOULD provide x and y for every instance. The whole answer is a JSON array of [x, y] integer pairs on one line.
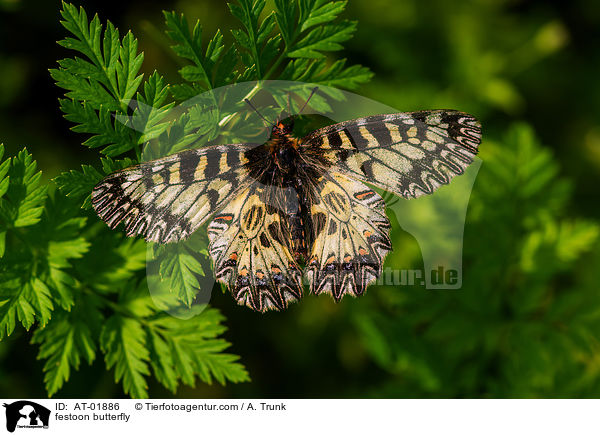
[[311, 30], [535, 184], [318, 72], [320, 12], [121, 259], [114, 136], [33, 277], [4, 183], [87, 37], [26, 302], [103, 85], [161, 359], [68, 339], [185, 91], [205, 70], [195, 349], [557, 244], [14, 307], [188, 45], [109, 165], [4, 168], [78, 185], [286, 20], [56, 241], [83, 89], [22, 203], [178, 268], [123, 342], [254, 44], [137, 301], [113, 64], [149, 115], [325, 38], [2, 243], [127, 69], [177, 138]]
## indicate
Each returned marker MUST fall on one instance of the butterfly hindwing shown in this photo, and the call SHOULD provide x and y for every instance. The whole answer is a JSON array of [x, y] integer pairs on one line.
[[410, 154], [249, 244], [165, 200], [350, 237]]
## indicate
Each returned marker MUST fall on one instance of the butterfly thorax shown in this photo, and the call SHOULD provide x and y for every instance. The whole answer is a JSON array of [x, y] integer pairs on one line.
[[283, 148]]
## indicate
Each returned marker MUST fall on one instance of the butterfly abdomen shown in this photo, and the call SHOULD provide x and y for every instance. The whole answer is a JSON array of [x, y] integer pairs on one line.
[[293, 206]]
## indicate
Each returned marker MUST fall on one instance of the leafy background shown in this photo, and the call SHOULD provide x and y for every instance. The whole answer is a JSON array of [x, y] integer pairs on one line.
[[525, 322]]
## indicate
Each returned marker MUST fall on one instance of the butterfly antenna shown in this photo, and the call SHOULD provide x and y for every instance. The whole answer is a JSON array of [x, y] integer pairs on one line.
[[289, 107], [308, 99], [259, 114]]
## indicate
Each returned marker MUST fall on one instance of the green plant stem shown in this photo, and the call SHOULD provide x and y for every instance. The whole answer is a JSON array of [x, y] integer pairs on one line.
[[271, 70]]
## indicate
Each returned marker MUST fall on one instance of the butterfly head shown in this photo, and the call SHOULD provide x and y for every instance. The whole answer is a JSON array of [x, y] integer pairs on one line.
[[284, 146], [281, 128]]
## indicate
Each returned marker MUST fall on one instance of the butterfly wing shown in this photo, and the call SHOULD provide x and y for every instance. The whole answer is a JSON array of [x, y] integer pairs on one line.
[[350, 237], [249, 244], [409, 154], [165, 200]]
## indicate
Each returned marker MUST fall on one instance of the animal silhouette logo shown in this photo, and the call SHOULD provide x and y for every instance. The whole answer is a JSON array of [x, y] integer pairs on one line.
[[26, 414]]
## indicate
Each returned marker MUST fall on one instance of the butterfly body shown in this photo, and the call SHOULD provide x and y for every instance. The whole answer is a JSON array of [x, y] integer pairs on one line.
[[293, 208], [286, 168]]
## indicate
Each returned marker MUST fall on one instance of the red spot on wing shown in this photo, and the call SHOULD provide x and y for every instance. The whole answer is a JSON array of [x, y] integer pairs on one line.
[[363, 195]]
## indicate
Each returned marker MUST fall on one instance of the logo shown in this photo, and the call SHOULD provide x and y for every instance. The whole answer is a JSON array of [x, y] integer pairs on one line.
[[26, 414]]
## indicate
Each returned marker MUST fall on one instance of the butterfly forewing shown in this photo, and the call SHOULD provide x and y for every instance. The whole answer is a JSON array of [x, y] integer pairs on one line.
[[410, 154], [165, 200]]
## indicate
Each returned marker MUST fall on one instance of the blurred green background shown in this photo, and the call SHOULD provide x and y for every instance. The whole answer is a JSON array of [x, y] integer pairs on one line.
[[527, 320]]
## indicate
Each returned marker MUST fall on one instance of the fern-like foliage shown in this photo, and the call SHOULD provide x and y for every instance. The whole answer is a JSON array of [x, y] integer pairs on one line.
[[516, 314], [85, 286], [24, 295], [290, 43]]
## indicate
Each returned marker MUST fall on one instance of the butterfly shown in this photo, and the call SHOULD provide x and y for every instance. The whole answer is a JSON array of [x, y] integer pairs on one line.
[[293, 208]]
